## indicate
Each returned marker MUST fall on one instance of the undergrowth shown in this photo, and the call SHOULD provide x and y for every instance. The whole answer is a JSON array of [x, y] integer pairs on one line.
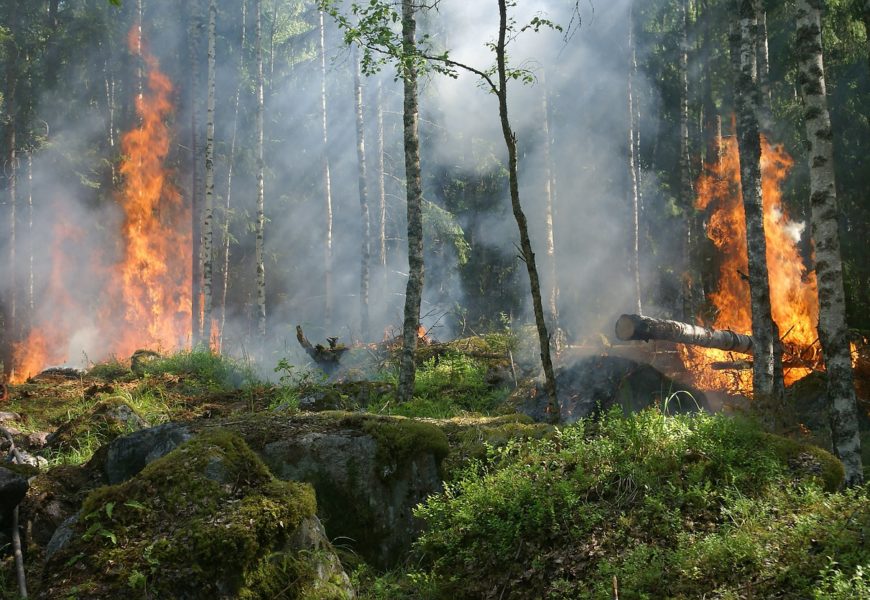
[[701, 506]]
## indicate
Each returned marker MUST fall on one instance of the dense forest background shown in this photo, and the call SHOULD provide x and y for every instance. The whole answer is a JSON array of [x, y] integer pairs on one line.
[[70, 83]]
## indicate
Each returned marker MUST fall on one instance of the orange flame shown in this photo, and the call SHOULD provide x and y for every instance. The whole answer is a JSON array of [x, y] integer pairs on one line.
[[146, 297], [794, 303]]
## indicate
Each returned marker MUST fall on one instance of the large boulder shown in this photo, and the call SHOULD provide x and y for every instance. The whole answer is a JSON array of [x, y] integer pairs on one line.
[[206, 521], [368, 472], [596, 384]]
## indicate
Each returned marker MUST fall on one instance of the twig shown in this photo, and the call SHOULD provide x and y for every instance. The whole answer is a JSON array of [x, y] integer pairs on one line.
[[16, 535], [513, 368]]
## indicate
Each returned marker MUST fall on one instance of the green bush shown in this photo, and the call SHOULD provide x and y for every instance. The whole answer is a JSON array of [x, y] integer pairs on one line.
[[202, 368], [694, 505]]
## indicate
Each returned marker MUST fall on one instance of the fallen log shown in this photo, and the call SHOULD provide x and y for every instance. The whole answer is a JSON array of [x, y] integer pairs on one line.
[[637, 327]]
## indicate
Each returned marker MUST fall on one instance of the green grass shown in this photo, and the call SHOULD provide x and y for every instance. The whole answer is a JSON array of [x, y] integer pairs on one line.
[[202, 369]]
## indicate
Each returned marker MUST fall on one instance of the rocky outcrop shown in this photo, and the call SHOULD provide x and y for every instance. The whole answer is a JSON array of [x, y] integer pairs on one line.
[[205, 521], [368, 473], [128, 455]]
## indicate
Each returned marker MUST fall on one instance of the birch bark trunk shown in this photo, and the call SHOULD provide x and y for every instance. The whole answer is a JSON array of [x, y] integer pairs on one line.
[[261, 194], [208, 208], [764, 330], [826, 239], [362, 179], [327, 183], [230, 166], [414, 195]]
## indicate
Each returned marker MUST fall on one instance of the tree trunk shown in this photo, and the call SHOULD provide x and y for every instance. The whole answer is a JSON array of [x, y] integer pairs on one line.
[[637, 327], [826, 239], [764, 330], [687, 196], [31, 300], [208, 209], [632, 159], [382, 191], [327, 184], [365, 250], [550, 197], [230, 165], [196, 220], [765, 113], [414, 195], [525, 243], [261, 192]]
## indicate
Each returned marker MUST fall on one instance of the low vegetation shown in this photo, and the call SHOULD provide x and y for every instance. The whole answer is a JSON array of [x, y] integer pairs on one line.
[[699, 506]]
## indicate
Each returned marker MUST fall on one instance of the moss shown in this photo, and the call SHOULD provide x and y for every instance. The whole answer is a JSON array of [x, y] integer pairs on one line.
[[399, 439], [806, 460], [193, 523]]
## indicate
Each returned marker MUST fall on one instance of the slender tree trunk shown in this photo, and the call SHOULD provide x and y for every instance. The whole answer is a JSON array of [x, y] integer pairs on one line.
[[139, 72], [195, 186], [10, 325], [687, 196], [365, 250], [261, 192], [273, 28], [208, 208], [520, 217], [632, 159], [866, 18], [382, 190], [764, 330], [230, 165], [414, 194], [765, 113], [550, 197], [327, 183], [31, 301], [826, 238]]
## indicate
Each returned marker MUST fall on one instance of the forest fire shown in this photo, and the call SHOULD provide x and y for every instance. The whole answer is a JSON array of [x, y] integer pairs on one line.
[[145, 300], [794, 302]]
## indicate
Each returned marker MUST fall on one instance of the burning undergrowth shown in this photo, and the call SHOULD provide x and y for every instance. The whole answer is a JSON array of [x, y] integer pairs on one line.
[[138, 269]]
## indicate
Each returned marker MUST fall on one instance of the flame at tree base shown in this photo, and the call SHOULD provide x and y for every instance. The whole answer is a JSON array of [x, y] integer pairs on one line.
[[794, 300], [142, 298]]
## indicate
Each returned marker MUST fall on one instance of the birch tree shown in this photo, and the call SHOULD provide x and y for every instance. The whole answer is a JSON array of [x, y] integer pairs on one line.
[[764, 330], [826, 238], [365, 225], [632, 159], [195, 184], [261, 193], [208, 208], [327, 181]]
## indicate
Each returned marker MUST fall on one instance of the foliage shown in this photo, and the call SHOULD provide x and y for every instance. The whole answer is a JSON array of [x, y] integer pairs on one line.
[[696, 505], [202, 368]]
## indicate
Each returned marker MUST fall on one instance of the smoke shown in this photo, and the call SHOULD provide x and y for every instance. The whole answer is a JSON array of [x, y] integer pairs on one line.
[[584, 79]]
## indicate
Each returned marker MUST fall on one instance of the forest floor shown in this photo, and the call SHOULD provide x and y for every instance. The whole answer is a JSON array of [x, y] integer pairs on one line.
[[640, 505]]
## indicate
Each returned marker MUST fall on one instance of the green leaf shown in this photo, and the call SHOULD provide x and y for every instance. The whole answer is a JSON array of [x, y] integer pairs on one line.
[[135, 504], [115, 2], [110, 506]]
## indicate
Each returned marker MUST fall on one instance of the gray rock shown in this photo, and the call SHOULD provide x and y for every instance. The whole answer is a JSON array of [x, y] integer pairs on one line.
[[127, 455], [61, 537], [9, 416], [362, 497], [37, 440]]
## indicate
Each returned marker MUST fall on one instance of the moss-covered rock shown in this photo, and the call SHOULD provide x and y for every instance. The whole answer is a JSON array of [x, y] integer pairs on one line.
[[207, 520], [368, 471], [108, 419]]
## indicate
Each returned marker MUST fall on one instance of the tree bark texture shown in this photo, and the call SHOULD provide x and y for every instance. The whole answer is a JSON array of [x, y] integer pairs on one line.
[[195, 185], [520, 217], [414, 194], [382, 189], [764, 331], [208, 208], [637, 327], [632, 159], [327, 183], [687, 199], [826, 239], [765, 112], [550, 197], [230, 166], [261, 192], [365, 222]]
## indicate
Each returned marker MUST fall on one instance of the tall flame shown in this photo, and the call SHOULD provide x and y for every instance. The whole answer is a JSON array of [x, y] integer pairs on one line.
[[145, 296], [794, 303]]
